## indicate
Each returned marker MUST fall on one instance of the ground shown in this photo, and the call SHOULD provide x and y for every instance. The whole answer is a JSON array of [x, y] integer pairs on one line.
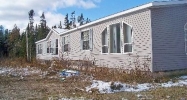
[[35, 84]]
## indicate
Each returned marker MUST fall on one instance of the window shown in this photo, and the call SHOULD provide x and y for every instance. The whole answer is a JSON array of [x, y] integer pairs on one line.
[[48, 47], [115, 38], [127, 36], [65, 43], [85, 40], [56, 47], [104, 41], [39, 48], [52, 47]]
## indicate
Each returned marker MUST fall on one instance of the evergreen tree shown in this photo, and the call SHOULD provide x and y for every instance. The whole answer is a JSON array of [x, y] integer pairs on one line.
[[80, 19], [1, 41], [66, 22], [6, 36], [14, 42]]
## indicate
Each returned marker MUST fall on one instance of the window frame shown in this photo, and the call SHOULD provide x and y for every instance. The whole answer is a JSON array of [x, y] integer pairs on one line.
[[109, 38], [123, 43], [83, 40], [55, 49], [39, 49], [63, 42], [107, 42]]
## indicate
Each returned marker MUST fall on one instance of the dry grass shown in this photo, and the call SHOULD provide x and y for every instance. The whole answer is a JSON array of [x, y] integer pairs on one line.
[[35, 88]]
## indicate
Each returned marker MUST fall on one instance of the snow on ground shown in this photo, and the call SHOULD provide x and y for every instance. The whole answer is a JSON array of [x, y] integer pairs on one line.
[[109, 87], [20, 71]]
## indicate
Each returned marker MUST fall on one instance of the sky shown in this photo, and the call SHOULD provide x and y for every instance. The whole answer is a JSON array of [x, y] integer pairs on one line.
[[16, 11]]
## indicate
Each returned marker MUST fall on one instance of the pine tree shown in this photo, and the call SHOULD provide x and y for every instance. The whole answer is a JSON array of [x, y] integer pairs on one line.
[[66, 22], [1, 41], [80, 19]]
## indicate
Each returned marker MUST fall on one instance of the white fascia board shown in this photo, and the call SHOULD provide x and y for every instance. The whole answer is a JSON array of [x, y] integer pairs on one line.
[[40, 41]]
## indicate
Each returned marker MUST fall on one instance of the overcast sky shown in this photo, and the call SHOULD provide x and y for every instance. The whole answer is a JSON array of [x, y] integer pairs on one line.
[[16, 11]]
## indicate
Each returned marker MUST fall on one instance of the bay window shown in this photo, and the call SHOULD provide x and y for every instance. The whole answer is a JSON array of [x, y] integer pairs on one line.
[[117, 38]]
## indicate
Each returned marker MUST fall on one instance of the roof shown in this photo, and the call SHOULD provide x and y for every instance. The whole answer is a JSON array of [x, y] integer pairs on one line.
[[141, 7]]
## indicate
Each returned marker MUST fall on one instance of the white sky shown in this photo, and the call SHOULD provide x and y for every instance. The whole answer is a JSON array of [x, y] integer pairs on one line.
[[16, 11]]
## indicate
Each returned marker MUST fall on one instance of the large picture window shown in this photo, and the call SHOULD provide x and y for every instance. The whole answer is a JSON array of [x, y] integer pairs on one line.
[[65, 43], [115, 38], [104, 41], [127, 36]]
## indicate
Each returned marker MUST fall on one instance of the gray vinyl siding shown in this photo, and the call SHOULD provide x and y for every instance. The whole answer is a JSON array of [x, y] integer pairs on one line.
[[168, 37], [141, 23]]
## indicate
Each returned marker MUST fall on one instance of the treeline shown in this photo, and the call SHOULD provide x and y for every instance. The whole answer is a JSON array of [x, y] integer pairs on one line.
[[13, 42]]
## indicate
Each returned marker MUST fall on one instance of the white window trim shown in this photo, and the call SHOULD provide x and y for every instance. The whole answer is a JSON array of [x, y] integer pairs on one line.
[[121, 39], [107, 41], [88, 40], [132, 38], [109, 38], [68, 37]]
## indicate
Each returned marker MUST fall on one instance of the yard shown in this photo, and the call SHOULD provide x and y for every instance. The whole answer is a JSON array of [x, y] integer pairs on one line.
[[35, 84]]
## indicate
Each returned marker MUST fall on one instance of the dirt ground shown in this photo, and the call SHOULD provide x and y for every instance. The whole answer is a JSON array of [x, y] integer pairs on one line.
[[52, 87]]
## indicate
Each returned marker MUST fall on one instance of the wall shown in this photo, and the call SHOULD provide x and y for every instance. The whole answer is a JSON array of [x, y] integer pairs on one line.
[[168, 37], [45, 55], [141, 23]]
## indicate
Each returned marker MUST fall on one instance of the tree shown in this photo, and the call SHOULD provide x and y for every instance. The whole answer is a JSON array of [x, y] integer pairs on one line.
[[88, 20], [14, 42], [72, 22], [60, 25], [31, 15], [6, 36], [1, 41], [66, 22], [80, 19]]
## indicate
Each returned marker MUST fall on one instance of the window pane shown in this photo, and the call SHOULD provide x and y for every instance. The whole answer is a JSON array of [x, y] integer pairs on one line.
[[128, 48], [127, 33], [104, 37], [85, 45], [66, 47], [57, 43], [85, 35], [105, 49], [115, 38]]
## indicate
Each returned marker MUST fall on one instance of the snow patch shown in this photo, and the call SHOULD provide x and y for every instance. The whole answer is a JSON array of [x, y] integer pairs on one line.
[[20, 71], [109, 87]]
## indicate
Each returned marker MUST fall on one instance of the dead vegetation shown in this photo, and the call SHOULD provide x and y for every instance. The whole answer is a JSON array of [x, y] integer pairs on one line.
[[35, 87]]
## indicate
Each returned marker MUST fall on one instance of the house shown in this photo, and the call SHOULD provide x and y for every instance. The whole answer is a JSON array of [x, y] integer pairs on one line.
[[154, 31]]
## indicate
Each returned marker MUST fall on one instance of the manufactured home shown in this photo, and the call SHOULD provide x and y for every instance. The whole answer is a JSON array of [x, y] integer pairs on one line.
[[153, 31]]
